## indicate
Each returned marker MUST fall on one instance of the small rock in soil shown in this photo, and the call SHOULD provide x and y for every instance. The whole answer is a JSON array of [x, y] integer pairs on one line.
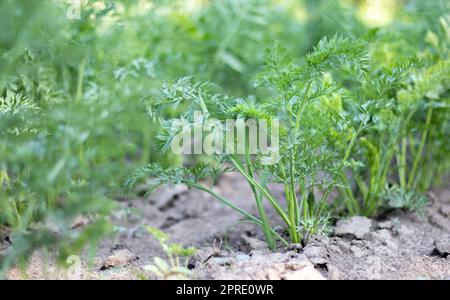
[[442, 246], [119, 258], [355, 227], [445, 210], [316, 254]]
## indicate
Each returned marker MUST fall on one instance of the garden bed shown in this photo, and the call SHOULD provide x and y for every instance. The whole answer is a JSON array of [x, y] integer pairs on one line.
[[399, 245]]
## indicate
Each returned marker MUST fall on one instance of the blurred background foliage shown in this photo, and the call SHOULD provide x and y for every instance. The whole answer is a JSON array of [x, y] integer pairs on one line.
[[72, 124]]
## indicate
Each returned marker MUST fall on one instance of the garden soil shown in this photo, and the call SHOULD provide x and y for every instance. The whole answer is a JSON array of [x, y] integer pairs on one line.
[[399, 245]]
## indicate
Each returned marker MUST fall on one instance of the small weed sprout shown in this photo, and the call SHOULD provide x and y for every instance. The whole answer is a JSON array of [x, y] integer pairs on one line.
[[176, 265]]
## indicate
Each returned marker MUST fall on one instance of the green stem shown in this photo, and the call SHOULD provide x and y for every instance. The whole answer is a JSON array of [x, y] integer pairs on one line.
[[352, 143], [292, 204], [301, 107], [418, 156], [350, 200], [372, 201], [361, 185], [227, 203], [262, 213], [304, 200], [287, 190], [401, 162], [266, 194]]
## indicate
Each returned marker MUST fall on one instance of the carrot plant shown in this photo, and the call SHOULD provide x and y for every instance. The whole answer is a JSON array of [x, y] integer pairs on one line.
[[374, 137], [400, 101], [307, 165], [426, 139]]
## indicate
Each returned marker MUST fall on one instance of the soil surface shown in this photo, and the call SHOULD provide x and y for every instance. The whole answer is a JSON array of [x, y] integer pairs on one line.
[[399, 246]]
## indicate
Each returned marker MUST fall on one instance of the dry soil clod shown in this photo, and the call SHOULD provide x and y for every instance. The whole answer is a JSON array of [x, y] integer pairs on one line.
[[354, 227], [442, 246], [119, 258]]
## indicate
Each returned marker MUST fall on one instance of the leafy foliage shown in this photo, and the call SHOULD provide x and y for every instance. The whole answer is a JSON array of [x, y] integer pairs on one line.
[[307, 159], [364, 109], [409, 200], [346, 119]]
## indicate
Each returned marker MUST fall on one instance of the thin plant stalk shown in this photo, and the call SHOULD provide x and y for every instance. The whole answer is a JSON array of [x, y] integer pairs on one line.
[[401, 161], [418, 156], [262, 213], [266, 193]]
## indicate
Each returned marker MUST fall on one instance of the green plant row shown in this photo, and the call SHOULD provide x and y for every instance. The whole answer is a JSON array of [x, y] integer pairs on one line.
[[74, 93]]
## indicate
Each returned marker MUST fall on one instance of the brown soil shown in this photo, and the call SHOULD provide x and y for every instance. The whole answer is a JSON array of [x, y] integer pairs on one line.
[[401, 246]]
